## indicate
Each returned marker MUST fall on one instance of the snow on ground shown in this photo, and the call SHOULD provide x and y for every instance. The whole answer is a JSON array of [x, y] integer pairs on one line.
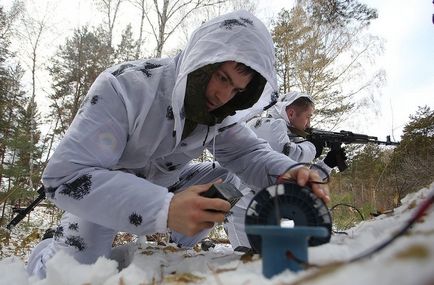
[[21, 240], [408, 260]]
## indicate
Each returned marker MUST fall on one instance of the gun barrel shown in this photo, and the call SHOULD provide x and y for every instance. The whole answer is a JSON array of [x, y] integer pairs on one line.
[[345, 137]]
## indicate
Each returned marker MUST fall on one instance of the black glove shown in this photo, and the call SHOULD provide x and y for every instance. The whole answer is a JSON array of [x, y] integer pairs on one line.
[[336, 157]]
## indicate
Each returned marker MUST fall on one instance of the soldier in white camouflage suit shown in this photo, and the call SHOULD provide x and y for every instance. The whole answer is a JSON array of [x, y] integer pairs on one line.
[[282, 128], [124, 163]]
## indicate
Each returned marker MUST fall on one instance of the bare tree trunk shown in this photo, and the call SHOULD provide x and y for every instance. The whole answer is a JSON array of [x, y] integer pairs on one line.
[[111, 11], [40, 26], [142, 20], [50, 146], [140, 4]]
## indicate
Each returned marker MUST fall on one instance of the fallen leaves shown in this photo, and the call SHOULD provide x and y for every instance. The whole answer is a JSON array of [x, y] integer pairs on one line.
[[183, 278], [416, 251]]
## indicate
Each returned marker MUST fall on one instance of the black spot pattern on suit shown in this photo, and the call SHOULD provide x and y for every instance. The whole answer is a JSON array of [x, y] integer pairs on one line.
[[76, 241], [121, 69], [148, 66], [94, 99], [169, 113], [50, 191], [258, 123], [286, 148], [78, 188], [73, 226], [230, 23], [135, 219], [58, 233]]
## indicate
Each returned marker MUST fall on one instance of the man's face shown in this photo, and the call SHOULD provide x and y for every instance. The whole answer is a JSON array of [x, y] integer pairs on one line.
[[224, 84], [300, 119]]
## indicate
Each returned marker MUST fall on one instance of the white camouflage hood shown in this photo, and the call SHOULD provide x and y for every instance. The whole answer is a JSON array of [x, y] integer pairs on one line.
[[238, 36], [279, 109]]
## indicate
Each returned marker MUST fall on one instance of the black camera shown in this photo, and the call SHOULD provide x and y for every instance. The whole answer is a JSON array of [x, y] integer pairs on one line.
[[225, 191]]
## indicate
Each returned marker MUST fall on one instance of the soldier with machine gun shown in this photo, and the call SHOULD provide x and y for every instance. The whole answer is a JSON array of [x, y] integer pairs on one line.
[[287, 130], [293, 111]]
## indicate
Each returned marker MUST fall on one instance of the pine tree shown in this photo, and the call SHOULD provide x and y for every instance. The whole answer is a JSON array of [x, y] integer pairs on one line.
[[12, 98], [20, 151], [25, 153], [127, 48], [74, 68]]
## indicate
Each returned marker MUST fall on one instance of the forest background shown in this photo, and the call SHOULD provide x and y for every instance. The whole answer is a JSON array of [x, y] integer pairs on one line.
[[323, 47]]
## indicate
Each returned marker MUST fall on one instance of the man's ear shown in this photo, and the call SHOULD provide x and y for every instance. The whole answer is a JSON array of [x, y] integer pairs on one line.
[[290, 112]]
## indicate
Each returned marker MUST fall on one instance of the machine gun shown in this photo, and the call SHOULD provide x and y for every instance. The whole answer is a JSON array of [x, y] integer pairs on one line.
[[22, 213], [334, 140]]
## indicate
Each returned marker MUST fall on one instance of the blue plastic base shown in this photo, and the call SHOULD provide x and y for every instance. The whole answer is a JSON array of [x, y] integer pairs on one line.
[[280, 245]]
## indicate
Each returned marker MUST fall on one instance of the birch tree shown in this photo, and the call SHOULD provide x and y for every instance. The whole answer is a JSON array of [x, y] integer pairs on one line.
[[164, 17], [110, 9]]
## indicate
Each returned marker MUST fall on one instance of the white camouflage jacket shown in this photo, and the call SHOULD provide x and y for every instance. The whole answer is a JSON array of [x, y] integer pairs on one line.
[[274, 129], [124, 147]]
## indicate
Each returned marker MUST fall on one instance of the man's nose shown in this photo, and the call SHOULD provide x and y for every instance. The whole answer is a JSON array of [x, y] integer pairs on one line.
[[226, 94]]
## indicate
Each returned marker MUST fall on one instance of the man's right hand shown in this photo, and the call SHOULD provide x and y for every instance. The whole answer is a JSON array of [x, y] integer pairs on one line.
[[190, 213]]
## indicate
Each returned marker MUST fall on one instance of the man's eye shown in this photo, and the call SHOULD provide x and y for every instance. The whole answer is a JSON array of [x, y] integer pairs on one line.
[[240, 90], [221, 77]]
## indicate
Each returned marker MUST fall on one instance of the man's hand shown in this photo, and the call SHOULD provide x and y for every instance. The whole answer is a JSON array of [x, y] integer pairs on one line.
[[305, 176], [190, 213], [336, 157]]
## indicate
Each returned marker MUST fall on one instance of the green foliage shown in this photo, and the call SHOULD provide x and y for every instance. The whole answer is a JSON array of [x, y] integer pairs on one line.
[[127, 48], [74, 68], [364, 183], [347, 210], [413, 164], [77, 64], [340, 13], [20, 167], [379, 177]]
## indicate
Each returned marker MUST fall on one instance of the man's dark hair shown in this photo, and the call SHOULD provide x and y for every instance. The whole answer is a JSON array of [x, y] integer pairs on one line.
[[301, 104], [244, 69]]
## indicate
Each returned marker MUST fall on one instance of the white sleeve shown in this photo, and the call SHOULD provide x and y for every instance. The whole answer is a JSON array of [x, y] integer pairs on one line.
[[275, 132], [79, 176], [250, 157]]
